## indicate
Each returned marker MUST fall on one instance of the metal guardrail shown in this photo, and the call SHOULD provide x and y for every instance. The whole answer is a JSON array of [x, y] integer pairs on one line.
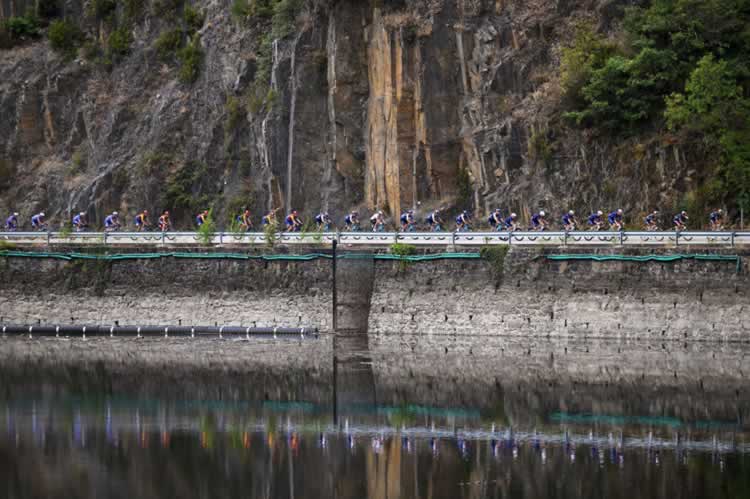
[[384, 239]]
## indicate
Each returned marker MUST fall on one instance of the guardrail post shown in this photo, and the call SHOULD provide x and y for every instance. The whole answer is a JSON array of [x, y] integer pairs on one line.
[[621, 232], [163, 238], [677, 238], [565, 238], [105, 238], [732, 238], [221, 239], [48, 237]]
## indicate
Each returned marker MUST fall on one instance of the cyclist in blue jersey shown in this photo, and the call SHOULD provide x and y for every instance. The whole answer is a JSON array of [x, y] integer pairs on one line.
[[511, 223], [569, 221], [141, 221], [79, 222], [323, 220], [680, 221], [351, 222], [11, 223], [595, 221], [651, 222], [496, 220], [716, 219], [38, 222], [615, 220], [112, 222], [463, 222], [435, 221], [539, 221], [269, 218], [201, 218], [407, 221], [377, 221]]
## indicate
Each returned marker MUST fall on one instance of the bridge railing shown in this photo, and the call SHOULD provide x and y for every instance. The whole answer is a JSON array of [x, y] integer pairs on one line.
[[385, 239]]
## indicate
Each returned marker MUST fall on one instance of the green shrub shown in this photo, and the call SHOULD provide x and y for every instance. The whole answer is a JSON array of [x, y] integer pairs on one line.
[[401, 249], [284, 16], [191, 60], [21, 27], [64, 37], [234, 111], [118, 45], [78, 162], [185, 188], [193, 19], [495, 255], [207, 230], [539, 147], [168, 43], [589, 51], [240, 10]]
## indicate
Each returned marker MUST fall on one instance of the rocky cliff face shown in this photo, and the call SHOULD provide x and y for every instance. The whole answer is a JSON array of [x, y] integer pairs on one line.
[[369, 103]]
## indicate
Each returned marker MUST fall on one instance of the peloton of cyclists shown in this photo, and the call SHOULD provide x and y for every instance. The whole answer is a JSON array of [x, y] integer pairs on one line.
[[434, 220]]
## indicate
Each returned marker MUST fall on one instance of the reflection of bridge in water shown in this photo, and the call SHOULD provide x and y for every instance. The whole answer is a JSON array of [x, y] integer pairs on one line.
[[20, 425]]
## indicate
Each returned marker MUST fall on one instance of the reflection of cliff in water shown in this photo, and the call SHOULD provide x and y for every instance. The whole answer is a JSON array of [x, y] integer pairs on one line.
[[506, 382]]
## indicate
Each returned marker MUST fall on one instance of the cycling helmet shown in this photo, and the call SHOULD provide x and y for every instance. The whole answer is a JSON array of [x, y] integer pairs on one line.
[[571, 212], [15, 214], [541, 213], [513, 215], [600, 213], [114, 213], [82, 213], [720, 211], [619, 211], [41, 214]]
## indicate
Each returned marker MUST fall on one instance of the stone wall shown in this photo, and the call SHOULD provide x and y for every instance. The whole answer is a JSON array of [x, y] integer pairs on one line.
[[532, 296], [523, 295]]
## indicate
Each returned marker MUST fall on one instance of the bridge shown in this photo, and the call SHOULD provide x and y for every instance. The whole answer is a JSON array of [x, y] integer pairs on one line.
[[665, 239]]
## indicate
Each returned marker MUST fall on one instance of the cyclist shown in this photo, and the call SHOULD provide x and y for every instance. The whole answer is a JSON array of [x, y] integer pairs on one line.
[[680, 221], [37, 222], [79, 222], [245, 221], [496, 220], [112, 222], [716, 218], [651, 222], [511, 224], [407, 221], [293, 222], [595, 221], [351, 221], [269, 218], [324, 221], [463, 222], [11, 224], [435, 221], [569, 221], [615, 220], [539, 222], [141, 221], [201, 218], [377, 221], [164, 222]]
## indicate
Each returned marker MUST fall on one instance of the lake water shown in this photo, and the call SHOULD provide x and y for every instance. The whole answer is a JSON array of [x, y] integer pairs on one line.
[[98, 446]]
